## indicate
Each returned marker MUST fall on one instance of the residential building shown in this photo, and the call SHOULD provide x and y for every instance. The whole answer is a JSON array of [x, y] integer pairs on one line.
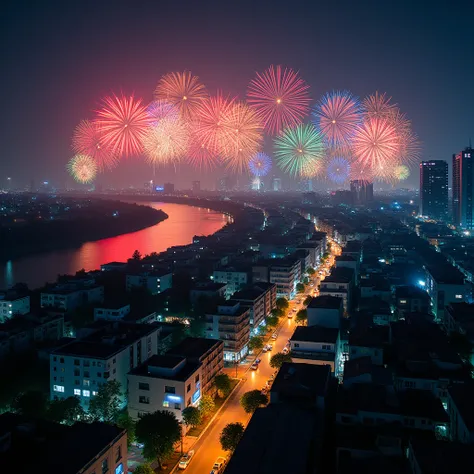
[[107, 353], [29, 443], [210, 290], [164, 382], [231, 324], [316, 345], [339, 284], [348, 261], [362, 192], [112, 311], [285, 273], [270, 295], [69, 296], [325, 311], [460, 411], [463, 188], [114, 267], [196, 186], [234, 278], [256, 300], [276, 184], [209, 353], [369, 342], [411, 299], [155, 281], [168, 188], [434, 189], [11, 303]]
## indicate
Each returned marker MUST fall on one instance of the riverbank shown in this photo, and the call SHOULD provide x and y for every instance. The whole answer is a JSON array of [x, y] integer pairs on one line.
[[89, 221]]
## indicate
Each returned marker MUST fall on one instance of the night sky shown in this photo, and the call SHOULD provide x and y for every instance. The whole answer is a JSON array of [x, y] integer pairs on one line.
[[60, 58]]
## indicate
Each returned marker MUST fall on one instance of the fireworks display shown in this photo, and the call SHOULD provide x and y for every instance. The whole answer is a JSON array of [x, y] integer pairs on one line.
[[83, 168], [299, 149], [280, 97], [183, 90], [89, 140], [347, 139], [337, 115], [260, 165], [124, 122], [338, 170]]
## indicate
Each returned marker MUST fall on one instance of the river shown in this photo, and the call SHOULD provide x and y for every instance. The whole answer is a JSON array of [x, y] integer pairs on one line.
[[182, 224]]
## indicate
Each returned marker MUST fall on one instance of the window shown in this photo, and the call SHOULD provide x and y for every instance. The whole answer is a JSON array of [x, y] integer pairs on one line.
[[54, 359], [143, 386], [61, 379], [86, 383], [58, 388], [196, 379], [61, 360], [403, 301], [94, 393], [326, 347], [86, 363], [118, 457], [54, 369], [105, 465], [106, 375], [143, 399], [77, 362], [77, 382], [166, 404], [77, 373], [188, 389], [86, 393], [77, 392], [86, 374], [296, 345], [99, 375], [170, 389], [459, 297], [113, 362], [177, 406]]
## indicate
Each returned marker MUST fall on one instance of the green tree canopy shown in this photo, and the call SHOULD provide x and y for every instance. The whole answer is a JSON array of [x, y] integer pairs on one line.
[[277, 312], [231, 435], [144, 469], [282, 303], [159, 432], [192, 416], [30, 404], [253, 399], [206, 405], [301, 316], [256, 343], [310, 271], [65, 410], [126, 422], [277, 360], [105, 406], [223, 384], [300, 287], [307, 300], [272, 321]]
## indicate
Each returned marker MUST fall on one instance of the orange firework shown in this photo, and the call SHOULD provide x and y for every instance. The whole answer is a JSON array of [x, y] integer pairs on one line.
[[183, 90]]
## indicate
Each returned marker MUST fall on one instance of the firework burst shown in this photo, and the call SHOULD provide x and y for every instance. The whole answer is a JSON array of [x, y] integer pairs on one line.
[[280, 97], [88, 139], [402, 172], [243, 136], [160, 109], [183, 90], [260, 165], [124, 122], [199, 155], [299, 150], [338, 170], [378, 106], [83, 168], [167, 142], [337, 115]]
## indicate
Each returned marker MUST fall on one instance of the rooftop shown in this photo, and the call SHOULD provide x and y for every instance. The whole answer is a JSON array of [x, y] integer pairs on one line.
[[375, 336], [170, 362], [248, 295], [195, 347], [326, 302], [340, 274], [315, 334], [462, 395]]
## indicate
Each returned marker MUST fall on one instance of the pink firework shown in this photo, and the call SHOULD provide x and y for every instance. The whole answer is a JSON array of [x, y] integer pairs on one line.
[[209, 126], [377, 146], [183, 90], [200, 156], [124, 122], [88, 139], [280, 97]]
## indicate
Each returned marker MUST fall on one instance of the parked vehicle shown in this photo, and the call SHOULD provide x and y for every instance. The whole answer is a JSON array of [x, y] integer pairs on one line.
[[185, 460]]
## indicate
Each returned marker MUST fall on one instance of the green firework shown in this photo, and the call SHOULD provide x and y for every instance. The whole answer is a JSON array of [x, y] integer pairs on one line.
[[299, 149]]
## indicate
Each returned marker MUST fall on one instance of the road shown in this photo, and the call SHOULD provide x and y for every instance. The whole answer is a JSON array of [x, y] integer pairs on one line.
[[208, 448]]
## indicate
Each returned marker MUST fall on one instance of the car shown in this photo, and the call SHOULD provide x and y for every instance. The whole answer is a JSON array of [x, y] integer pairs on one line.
[[274, 336], [269, 347], [139, 445], [185, 460], [290, 315], [269, 383], [294, 310], [264, 390], [218, 465], [257, 361], [265, 349], [272, 377], [285, 350], [254, 366]]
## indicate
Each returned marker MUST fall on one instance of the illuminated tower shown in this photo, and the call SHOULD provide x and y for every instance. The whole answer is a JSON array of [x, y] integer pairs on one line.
[[434, 189], [463, 188]]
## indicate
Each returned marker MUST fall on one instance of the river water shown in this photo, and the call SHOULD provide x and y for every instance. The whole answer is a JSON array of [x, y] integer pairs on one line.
[[182, 224]]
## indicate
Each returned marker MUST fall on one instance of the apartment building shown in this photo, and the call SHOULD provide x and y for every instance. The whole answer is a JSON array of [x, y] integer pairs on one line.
[[69, 296], [230, 323], [234, 278], [155, 281], [259, 300], [12, 303], [285, 273], [340, 284]]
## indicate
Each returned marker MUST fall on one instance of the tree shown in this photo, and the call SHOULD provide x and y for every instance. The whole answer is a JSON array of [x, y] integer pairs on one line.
[[461, 345], [222, 383], [206, 405], [277, 312], [126, 422], [65, 410], [159, 432], [272, 321], [144, 469], [325, 255], [30, 404], [105, 406], [263, 329], [277, 360], [282, 303], [310, 271], [301, 316], [231, 435], [256, 343], [300, 287], [253, 399], [305, 280], [192, 416], [307, 300], [137, 256]]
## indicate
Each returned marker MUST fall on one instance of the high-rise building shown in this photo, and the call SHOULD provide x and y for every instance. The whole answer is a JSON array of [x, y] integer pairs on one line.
[[168, 188], [434, 189], [196, 186], [276, 184], [362, 191], [463, 188], [226, 183]]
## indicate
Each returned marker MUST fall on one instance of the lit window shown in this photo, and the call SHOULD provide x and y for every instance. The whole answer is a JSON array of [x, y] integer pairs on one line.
[[86, 383], [77, 391], [58, 388], [166, 404], [459, 297], [86, 393], [94, 393], [403, 301]]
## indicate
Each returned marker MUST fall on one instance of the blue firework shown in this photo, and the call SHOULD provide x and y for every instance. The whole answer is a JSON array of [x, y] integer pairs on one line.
[[260, 164], [338, 170]]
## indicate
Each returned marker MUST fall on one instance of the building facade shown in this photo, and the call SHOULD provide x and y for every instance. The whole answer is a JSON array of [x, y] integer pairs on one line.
[[434, 189], [362, 191], [155, 282], [11, 304], [463, 188]]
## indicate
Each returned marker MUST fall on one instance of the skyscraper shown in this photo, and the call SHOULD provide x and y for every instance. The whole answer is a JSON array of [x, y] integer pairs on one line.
[[434, 189], [362, 191], [276, 184], [196, 186], [463, 188]]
